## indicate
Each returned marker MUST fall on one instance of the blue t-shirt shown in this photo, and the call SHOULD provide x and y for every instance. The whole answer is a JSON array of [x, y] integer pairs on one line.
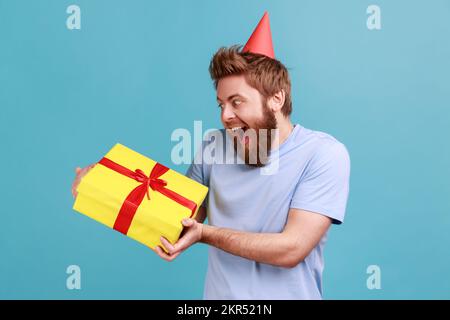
[[310, 171]]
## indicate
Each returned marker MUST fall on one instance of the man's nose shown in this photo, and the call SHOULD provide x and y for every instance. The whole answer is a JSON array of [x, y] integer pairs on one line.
[[227, 113]]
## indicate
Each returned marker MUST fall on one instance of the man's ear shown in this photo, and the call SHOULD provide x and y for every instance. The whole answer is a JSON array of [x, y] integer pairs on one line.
[[276, 102]]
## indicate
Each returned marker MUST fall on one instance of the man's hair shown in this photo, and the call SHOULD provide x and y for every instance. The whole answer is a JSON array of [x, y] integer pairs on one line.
[[266, 75]]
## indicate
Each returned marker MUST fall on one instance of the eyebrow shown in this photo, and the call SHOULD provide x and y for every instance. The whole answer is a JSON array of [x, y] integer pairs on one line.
[[231, 97]]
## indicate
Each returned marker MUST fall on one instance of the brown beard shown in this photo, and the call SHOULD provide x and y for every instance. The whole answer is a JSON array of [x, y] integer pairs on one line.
[[261, 151]]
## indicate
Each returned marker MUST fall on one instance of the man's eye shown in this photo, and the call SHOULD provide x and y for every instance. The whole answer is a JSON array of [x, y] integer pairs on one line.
[[219, 105], [237, 102]]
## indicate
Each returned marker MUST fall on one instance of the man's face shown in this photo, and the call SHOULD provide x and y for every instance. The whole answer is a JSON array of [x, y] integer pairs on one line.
[[244, 114]]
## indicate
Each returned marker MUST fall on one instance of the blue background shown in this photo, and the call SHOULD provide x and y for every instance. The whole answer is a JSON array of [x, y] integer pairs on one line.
[[137, 70]]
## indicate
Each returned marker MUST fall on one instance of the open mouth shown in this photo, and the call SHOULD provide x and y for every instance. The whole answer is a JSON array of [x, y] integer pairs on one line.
[[236, 129], [239, 133]]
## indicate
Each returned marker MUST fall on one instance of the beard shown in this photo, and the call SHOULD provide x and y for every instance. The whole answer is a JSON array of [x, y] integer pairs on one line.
[[256, 152]]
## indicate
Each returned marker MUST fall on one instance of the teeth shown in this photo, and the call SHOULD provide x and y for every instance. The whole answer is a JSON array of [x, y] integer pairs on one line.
[[235, 129]]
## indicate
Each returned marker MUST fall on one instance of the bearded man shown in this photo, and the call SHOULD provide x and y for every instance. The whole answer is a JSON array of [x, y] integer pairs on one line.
[[266, 229]]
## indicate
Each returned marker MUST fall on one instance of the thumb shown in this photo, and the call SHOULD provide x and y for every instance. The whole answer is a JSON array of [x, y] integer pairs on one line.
[[77, 170], [187, 222]]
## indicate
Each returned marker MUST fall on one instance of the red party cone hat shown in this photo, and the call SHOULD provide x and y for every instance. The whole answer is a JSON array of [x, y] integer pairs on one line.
[[261, 39]]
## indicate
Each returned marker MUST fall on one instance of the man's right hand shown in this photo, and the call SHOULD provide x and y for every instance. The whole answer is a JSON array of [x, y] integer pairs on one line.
[[80, 173]]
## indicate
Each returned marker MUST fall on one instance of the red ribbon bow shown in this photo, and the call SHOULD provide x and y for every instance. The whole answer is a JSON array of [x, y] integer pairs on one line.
[[135, 197], [153, 183]]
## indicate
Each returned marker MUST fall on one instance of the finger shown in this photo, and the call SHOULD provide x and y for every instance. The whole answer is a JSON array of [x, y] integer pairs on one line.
[[175, 255], [75, 186], [77, 170], [75, 182], [83, 171], [164, 255], [182, 244], [169, 257], [187, 222], [167, 245], [74, 189]]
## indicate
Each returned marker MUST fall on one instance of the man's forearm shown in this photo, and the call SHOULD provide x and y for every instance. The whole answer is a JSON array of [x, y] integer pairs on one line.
[[270, 248]]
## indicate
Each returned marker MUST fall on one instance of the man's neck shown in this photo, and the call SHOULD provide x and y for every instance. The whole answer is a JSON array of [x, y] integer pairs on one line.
[[285, 128]]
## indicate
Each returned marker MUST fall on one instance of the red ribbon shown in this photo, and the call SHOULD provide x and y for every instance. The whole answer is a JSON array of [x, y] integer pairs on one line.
[[135, 197]]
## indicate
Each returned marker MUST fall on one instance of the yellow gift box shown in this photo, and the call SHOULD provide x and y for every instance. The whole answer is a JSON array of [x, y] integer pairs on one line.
[[138, 196]]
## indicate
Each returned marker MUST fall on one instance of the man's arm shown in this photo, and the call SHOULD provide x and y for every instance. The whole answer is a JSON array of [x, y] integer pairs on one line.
[[302, 233]]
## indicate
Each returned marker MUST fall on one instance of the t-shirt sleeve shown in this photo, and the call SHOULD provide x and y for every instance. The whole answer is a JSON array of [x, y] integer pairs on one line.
[[324, 186], [195, 172]]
